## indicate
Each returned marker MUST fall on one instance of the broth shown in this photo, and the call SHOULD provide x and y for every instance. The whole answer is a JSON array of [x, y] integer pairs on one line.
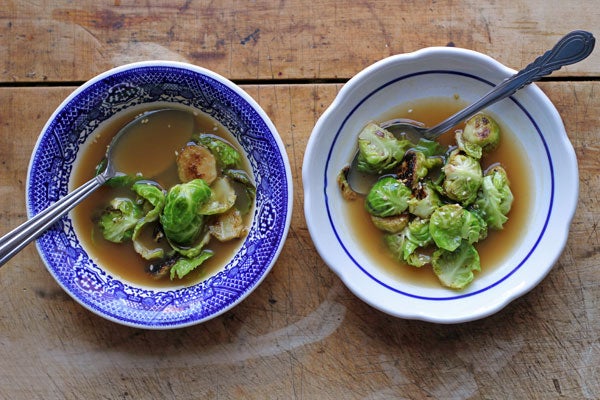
[[497, 245], [121, 259]]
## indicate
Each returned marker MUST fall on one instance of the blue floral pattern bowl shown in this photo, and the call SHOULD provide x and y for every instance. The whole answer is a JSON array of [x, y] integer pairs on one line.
[[76, 119]]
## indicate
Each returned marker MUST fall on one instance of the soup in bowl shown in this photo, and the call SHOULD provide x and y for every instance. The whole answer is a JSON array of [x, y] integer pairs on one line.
[[503, 263], [117, 252]]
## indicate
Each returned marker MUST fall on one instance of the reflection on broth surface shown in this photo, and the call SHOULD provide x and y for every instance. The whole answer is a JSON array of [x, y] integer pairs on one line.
[[167, 139], [498, 244]]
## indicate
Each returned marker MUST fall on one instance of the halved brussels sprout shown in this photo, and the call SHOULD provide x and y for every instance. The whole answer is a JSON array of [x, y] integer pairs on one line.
[[387, 197], [455, 268], [392, 224], [118, 221], [405, 245], [462, 178], [495, 198], [451, 223], [196, 162], [415, 166], [379, 151], [342, 181], [425, 200], [180, 219], [480, 135]]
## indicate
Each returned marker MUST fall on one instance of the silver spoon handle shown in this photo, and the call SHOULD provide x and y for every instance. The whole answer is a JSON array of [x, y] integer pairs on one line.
[[573, 47], [15, 240]]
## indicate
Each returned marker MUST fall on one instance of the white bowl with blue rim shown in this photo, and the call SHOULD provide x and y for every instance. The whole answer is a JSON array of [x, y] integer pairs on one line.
[[77, 118], [429, 73]]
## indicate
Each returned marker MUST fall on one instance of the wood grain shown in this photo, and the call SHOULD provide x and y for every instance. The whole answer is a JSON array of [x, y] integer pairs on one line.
[[302, 334], [330, 39]]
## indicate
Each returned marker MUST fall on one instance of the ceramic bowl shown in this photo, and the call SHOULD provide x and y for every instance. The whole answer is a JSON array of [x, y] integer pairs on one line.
[[538, 132], [75, 121]]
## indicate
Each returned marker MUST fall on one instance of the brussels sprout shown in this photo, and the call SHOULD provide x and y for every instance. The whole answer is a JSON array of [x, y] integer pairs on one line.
[[221, 199], [424, 201], [228, 226], [387, 197], [495, 198], [227, 156], [155, 197], [480, 135], [451, 223], [184, 266], [455, 268], [415, 166], [379, 151], [462, 178], [180, 219], [118, 221], [196, 162], [404, 245], [392, 224], [342, 181]]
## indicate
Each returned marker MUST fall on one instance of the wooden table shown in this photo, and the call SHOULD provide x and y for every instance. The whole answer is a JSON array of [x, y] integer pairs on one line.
[[301, 334]]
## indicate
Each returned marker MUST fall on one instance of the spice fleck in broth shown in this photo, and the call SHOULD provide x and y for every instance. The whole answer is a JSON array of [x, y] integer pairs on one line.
[[169, 137], [498, 244]]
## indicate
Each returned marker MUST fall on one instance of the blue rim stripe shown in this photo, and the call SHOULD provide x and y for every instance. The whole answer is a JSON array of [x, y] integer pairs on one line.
[[346, 250]]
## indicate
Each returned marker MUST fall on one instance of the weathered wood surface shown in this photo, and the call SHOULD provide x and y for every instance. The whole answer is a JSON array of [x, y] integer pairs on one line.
[[301, 334], [266, 39]]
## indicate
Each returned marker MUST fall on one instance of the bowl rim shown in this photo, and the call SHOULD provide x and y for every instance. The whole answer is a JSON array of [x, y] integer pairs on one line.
[[273, 135], [346, 98]]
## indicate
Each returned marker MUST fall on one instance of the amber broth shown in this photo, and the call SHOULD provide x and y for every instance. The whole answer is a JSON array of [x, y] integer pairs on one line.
[[121, 259], [494, 249]]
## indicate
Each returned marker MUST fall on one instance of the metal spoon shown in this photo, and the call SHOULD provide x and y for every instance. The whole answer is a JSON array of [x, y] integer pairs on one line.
[[573, 47], [14, 241]]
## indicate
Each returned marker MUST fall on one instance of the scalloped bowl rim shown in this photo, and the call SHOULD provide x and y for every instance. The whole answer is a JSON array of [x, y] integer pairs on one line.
[[334, 245]]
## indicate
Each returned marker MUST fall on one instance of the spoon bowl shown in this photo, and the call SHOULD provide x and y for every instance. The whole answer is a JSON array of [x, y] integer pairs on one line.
[[15, 240]]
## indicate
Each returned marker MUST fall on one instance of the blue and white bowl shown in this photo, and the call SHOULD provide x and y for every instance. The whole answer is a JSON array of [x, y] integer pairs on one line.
[[76, 119], [441, 72]]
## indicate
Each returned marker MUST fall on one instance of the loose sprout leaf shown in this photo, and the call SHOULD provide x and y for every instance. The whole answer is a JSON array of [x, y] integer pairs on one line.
[[244, 187], [180, 219], [155, 197], [228, 226], [227, 156], [455, 268], [184, 266], [379, 151], [430, 148], [221, 199], [388, 197], [192, 249], [118, 221]]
